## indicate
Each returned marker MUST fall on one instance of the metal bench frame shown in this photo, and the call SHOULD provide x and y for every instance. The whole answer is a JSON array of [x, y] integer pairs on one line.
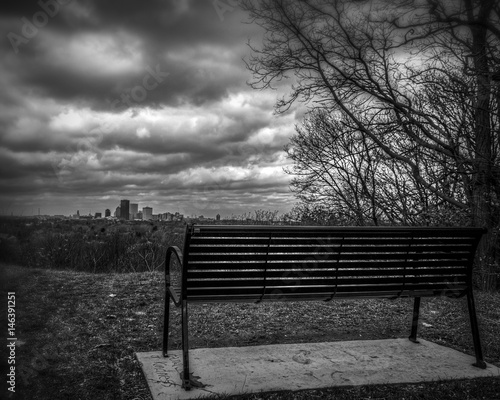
[[250, 263]]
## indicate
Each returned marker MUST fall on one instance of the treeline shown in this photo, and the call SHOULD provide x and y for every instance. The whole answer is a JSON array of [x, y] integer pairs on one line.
[[87, 247], [100, 246]]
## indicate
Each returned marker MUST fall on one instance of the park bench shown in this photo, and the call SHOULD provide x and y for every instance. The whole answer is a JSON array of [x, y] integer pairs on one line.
[[250, 263]]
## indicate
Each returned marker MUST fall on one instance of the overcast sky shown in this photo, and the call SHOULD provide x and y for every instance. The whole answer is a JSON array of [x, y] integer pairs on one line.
[[146, 101]]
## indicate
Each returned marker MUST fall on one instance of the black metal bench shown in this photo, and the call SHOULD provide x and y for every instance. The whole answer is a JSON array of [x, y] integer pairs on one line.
[[224, 263]]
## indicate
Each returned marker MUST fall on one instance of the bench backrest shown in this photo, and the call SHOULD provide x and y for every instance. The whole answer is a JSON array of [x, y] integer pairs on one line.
[[269, 263]]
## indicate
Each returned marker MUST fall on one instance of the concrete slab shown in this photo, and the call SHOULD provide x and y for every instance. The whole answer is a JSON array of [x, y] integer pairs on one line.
[[236, 370]]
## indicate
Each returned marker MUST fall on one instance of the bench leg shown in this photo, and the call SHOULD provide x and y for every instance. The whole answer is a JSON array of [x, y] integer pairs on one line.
[[166, 318], [475, 331], [186, 383], [414, 323]]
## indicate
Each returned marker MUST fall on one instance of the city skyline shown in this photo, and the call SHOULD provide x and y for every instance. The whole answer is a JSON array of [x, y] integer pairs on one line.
[[113, 210], [110, 100]]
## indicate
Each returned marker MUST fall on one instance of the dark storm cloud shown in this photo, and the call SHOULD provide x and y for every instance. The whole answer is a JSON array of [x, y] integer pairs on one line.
[[183, 38], [170, 23], [16, 166]]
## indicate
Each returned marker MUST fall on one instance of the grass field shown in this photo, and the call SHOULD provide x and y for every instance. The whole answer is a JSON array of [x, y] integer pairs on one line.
[[78, 333]]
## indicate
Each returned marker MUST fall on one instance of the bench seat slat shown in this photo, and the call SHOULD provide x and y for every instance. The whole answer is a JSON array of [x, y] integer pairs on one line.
[[331, 240], [205, 229], [257, 298], [328, 267], [318, 232], [299, 281], [245, 273], [200, 266], [301, 297], [394, 288], [320, 248], [329, 281], [325, 256]]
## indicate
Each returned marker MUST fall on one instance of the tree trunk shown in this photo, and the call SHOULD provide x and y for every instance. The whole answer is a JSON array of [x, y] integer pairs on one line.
[[482, 181]]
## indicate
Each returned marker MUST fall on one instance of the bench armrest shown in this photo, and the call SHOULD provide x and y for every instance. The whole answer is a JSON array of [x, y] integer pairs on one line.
[[171, 291]]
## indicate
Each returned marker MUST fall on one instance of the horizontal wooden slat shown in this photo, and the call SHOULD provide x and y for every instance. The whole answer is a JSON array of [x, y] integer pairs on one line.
[[303, 231], [242, 274], [340, 265], [228, 249], [325, 256], [332, 240], [406, 249], [322, 289], [313, 296], [327, 288], [331, 282], [254, 298], [309, 228]]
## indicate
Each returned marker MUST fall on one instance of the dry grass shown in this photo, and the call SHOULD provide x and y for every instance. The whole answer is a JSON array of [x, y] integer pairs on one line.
[[79, 333]]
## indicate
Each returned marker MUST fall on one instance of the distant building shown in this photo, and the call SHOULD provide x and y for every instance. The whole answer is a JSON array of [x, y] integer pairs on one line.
[[166, 216], [98, 215], [178, 216], [217, 217], [139, 215], [124, 209], [147, 213], [107, 213], [133, 210], [118, 212]]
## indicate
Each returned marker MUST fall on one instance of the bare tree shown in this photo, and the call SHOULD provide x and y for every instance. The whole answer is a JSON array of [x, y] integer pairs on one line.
[[341, 169], [372, 63]]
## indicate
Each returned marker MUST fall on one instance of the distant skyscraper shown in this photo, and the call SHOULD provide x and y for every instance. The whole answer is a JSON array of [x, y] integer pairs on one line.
[[117, 212], [134, 209], [147, 213], [107, 213], [124, 209]]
